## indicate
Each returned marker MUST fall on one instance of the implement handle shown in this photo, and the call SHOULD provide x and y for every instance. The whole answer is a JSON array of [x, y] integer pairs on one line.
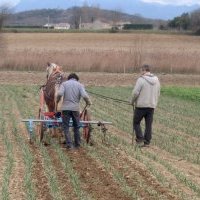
[[83, 110]]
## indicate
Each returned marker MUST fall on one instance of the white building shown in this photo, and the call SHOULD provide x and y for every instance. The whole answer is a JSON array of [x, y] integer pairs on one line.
[[48, 26], [63, 26], [60, 26], [120, 25], [96, 25]]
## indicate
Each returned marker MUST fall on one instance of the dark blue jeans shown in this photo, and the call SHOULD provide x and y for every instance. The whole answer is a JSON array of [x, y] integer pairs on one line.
[[66, 116], [139, 114]]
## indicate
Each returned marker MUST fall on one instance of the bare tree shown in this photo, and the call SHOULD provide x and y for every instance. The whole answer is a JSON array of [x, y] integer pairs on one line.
[[86, 13], [76, 17], [95, 15], [1, 20], [90, 13], [3, 15], [116, 16], [195, 20]]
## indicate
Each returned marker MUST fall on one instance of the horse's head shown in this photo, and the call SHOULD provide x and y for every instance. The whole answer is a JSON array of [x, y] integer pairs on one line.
[[52, 69]]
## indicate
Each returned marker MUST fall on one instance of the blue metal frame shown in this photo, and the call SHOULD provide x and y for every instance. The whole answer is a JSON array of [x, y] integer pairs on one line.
[[51, 123]]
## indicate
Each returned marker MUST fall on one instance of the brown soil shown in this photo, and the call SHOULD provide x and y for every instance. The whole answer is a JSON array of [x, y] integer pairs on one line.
[[95, 180], [135, 172], [64, 183], [39, 178], [16, 187], [2, 160], [16, 180], [38, 174], [98, 79], [190, 170]]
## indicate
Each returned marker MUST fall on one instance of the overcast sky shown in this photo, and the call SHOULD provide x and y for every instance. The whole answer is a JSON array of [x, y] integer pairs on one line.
[[174, 2], [9, 2], [164, 2]]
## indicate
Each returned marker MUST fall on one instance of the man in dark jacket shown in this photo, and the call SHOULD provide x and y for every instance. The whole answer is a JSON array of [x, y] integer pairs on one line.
[[145, 98], [72, 91]]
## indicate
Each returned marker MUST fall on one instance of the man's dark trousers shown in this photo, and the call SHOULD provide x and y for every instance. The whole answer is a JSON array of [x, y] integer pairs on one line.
[[139, 114], [66, 116]]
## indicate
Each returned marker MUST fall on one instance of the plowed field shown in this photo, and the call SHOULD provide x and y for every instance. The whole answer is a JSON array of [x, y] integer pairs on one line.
[[110, 170]]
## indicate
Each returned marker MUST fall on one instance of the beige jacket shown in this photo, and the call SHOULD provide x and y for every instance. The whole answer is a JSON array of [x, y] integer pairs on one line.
[[146, 91]]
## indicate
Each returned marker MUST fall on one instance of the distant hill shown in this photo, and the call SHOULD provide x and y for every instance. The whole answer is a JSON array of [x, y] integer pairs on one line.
[[72, 15], [147, 8]]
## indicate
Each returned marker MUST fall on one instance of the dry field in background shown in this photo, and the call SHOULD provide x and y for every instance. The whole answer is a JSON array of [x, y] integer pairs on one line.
[[98, 79], [101, 52]]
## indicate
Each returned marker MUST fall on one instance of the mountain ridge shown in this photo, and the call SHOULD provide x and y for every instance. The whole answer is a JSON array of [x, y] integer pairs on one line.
[[147, 10], [40, 17]]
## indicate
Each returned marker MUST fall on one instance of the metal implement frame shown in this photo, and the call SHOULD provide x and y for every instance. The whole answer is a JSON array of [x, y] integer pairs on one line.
[[53, 123]]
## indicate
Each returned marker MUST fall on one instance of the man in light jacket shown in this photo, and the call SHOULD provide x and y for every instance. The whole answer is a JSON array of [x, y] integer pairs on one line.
[[72, 91], [145, 98]]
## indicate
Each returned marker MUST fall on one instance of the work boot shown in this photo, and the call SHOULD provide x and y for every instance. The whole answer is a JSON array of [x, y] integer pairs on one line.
[[139, 141], [68, 147], [145, 145]]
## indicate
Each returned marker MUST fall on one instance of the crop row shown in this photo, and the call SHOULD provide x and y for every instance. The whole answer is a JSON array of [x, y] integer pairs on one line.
[[118, 157]]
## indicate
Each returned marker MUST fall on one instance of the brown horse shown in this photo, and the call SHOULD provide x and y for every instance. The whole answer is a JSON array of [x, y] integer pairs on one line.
[[48, 94], [55, 77], [48, 107]]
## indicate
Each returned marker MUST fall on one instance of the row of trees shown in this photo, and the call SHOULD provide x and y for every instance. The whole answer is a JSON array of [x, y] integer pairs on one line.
[[187, 21], [3, 15], [91, 13]]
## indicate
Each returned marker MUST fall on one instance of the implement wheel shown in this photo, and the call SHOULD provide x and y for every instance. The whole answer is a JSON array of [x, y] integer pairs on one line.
[[87, 129]]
